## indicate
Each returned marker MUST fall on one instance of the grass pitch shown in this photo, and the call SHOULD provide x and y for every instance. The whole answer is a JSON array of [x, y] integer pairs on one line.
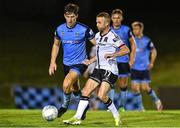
[[33, 118]]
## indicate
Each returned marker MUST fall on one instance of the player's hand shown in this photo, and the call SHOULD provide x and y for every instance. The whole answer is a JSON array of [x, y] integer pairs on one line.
[[150, 66], [86, 62], [131, 62], [52, 68], [109, 56]]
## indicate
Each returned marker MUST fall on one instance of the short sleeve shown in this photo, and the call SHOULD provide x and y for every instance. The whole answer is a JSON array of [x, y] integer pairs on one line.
[[118, 42], [89, 34], [130, 34], [150, 45]]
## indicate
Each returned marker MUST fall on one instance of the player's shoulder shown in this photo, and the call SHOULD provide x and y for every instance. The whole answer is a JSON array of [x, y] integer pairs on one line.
[[146, 38], [97, 35], [112, 34], [61, 26], [81, 25], [125, 27]]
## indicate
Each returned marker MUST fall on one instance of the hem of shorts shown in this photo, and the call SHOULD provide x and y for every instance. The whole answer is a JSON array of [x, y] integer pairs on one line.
[[77, 71], [108, 83], [90, 77], [123, 75], [140, 81]]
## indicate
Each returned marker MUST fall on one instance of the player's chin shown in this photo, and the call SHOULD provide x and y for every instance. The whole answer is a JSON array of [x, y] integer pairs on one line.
[[100, 29]]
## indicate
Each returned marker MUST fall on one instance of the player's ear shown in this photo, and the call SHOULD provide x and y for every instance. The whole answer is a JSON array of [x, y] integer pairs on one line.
[[77, 16], [111, 17], [64, 15], [122, 18], [107, 23]]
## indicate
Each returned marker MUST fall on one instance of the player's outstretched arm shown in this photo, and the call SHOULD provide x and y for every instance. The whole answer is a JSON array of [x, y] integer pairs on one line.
[[88, 62], [54, 54], [123, 51]]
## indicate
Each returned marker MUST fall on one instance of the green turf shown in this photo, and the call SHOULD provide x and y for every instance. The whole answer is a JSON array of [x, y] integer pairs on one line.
[[32, 118]]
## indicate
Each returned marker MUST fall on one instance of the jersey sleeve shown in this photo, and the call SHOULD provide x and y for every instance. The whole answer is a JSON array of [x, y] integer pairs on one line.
[[89, 34], [118, 42], [56, 35], [130, 34], [150, 45]]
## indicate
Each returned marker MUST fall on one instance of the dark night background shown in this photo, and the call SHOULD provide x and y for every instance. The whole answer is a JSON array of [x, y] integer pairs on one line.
[[20, 17], [27, 28]]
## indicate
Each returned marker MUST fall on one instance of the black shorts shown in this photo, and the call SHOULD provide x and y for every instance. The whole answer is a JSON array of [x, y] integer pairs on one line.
[[124, 69], [140, 76], [100, 75], [78, 68]]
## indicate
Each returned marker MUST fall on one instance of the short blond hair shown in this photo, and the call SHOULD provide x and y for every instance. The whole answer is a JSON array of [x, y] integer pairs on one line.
[[105, 15], [138, 23], [117, 11]]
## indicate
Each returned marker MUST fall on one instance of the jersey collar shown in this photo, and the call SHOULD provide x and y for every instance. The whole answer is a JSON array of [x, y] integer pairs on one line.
[[116, 28], [105, 34], [72, 26]]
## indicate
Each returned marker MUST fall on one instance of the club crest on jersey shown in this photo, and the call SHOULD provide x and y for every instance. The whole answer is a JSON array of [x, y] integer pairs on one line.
[[77, 33], [62, 33]]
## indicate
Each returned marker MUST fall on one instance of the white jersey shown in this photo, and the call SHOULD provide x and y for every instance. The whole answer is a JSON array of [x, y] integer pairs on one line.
[[107, 44]]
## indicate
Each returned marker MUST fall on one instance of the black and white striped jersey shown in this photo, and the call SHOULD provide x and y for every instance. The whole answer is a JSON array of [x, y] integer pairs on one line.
[[107, 44]]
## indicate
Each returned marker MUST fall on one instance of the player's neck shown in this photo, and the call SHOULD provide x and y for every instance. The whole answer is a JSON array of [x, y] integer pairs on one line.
[[139, 36], [106, 31], [116, 26], [71, 26]]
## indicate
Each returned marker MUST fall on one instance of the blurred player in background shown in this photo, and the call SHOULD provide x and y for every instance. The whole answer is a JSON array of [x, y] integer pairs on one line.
[[144, 61], [73, 36], [106, 72], [124, 62]]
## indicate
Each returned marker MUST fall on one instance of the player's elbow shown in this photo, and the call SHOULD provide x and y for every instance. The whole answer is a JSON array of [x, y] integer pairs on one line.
[[133, 48], [123, 51], [154, 52], [126, 50]]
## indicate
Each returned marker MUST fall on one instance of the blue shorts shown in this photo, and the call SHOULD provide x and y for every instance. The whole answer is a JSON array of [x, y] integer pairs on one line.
[[78, 68], [124, 69], [140, 76]]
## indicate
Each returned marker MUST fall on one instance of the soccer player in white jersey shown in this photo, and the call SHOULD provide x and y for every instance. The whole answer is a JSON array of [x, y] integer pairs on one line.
[[94, 103], [106, 72]]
